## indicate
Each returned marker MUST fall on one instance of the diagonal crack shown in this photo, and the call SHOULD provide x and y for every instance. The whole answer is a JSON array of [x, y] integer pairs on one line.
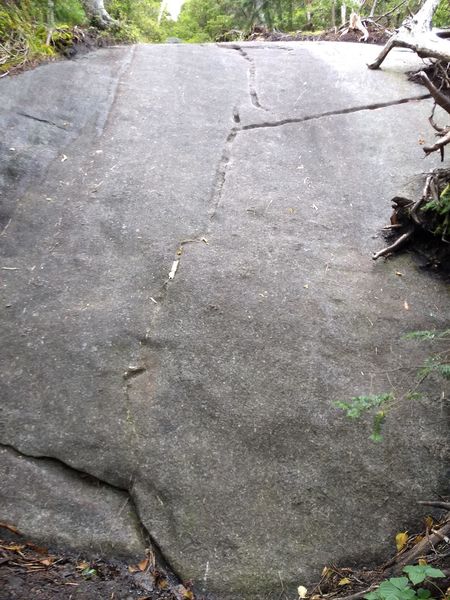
[[162, 560], [40, 120], [330, 113]]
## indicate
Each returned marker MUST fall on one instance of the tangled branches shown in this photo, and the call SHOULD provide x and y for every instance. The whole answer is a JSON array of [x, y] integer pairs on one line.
[[14, 53], [430, 213]]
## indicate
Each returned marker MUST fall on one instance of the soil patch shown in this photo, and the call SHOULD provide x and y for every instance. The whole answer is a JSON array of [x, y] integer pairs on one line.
[[30, 571]]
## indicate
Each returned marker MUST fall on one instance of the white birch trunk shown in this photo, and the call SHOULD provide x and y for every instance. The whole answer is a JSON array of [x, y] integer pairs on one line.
[[96, 10], [417, 35]]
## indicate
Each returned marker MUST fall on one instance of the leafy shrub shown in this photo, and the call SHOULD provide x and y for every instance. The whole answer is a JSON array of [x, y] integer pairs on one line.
[[70, 12], [22, 34], [379, 404], [401, 588], [441, 210]]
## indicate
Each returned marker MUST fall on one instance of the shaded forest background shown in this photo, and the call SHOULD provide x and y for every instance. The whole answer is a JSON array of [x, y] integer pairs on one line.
[[39, 28]]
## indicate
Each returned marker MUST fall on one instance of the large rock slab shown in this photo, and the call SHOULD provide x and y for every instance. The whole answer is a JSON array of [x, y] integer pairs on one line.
[[209, 397]]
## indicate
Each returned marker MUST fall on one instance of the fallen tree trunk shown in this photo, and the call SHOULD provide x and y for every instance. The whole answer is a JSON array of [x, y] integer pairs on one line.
[[416, 34]]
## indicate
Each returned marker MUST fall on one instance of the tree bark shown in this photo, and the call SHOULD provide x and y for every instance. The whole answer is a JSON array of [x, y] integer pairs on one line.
[[416, 34], [343, 14], [97, 12], [50, 20]]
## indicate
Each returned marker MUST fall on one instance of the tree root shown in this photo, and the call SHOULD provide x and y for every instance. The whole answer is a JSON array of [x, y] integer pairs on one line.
[[401, 241], [417, 34], [409, 217]]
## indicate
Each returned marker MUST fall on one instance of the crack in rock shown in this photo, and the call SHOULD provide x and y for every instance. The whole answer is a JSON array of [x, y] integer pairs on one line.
[[41, 120], [331, 113], [130, 501], [222, 168], [105, 116], [251, 74]]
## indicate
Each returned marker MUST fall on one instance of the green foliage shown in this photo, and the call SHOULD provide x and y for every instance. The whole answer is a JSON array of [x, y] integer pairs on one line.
[[378, 421], [356, 407], [441, 209], [379, 404], [441, 17], [22, 33], [25, 26], [123, 32], [138, 20], [211, 20], [418, 573], [434, 364], [427, 335], [359, 405], [401, 588], [70, 12]]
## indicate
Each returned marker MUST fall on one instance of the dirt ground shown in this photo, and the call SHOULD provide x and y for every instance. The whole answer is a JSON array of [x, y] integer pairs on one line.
[[28, 571]]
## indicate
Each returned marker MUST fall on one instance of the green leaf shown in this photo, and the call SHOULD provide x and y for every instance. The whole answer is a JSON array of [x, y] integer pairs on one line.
[[444, 370], [433, 572], [416, 573], [420, 335], [372, 596], [423, 594], [358, 405], [394, 584], [400, 583], [414, 396]]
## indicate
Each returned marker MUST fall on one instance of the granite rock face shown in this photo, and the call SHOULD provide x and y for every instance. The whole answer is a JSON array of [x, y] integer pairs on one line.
[[259, 176], [46, 500]]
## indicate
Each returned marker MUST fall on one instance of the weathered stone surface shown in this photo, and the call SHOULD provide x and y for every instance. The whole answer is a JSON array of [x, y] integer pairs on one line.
[[56, 505], [223, 430]]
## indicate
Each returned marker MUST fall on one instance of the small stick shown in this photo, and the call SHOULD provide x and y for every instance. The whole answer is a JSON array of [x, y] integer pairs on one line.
[[6, 227], [416, 205], [390, 11], [435, 504], [438, 96], [445, 139], [421, 548], [394, 226], [397, 244], [357, 595]]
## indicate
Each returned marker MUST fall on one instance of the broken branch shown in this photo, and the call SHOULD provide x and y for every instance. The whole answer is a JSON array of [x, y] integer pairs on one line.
[[420, 549], [396, 245]]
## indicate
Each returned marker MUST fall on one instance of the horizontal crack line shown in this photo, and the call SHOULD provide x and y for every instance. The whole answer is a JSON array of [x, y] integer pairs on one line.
[[68, 467], [331, 113]]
